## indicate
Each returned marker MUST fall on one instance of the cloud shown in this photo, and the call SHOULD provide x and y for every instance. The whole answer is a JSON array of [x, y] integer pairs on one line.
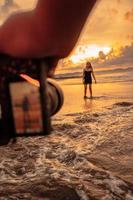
[[102, 56], [129, 15], [108, 24], [125, 58]]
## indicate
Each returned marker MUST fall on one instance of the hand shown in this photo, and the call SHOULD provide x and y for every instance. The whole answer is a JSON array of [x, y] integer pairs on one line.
[[19, 38], [50, 30]]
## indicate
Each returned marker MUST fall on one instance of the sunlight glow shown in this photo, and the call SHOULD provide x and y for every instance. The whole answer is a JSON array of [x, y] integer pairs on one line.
[[82, 52]]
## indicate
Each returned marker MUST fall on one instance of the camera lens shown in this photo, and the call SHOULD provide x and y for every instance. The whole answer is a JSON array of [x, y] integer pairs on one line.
[[55, 96]]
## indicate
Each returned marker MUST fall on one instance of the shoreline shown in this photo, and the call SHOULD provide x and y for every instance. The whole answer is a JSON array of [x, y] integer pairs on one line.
[[104, 95]]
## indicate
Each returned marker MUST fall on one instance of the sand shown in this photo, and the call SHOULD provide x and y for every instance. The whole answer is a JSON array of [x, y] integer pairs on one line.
[[87, 156]]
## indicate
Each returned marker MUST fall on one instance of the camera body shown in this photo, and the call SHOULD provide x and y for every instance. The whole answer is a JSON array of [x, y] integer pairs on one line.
[[27, 98]]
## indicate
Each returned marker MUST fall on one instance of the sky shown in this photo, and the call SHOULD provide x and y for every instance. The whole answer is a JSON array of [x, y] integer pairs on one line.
[[107, 37]]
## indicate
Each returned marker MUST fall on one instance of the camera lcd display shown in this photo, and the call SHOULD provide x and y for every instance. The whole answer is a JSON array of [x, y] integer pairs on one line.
[[26, 107]]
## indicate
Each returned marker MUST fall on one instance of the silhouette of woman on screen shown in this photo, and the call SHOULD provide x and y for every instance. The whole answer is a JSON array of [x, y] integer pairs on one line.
[[26, 115]]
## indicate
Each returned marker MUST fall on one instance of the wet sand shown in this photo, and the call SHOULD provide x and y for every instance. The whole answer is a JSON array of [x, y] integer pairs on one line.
[[87, 156], [104, 94]]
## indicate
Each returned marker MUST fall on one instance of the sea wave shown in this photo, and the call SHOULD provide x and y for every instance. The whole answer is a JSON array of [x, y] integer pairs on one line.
[[89, 158], [103, 76]]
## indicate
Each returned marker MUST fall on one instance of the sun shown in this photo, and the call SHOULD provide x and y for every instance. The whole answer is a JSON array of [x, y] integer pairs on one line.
[[83, 52]]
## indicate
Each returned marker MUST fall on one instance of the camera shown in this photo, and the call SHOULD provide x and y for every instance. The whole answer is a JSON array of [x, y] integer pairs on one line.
[[28, 98]]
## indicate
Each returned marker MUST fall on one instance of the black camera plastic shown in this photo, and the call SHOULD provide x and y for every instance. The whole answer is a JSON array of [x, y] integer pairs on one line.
[[50, 96]]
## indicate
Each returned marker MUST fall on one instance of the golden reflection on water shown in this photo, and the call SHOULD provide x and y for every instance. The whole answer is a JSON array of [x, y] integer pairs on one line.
[[104, 94], [88, 104]]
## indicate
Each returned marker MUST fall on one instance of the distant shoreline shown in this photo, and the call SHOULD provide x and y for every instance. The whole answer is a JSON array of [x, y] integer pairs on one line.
[[112, 75]]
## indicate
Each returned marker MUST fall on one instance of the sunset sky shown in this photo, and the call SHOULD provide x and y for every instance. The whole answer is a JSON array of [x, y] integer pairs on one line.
[[106, 37]]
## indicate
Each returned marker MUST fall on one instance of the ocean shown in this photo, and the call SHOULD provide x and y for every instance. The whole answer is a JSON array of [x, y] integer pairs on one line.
[[113, 85], [88, 155]]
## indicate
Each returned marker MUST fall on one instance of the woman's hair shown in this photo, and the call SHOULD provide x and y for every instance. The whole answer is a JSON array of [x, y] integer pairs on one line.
[[88, 63]]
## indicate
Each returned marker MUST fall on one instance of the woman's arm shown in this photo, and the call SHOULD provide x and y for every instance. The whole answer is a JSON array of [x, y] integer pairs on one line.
[[94, 75], [83, 76]]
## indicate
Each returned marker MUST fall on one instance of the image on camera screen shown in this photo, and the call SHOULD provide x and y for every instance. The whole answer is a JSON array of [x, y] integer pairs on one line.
[[26, 107]]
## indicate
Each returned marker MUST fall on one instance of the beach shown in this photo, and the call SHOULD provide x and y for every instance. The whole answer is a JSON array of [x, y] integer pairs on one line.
[[104, 94], [87, 156]]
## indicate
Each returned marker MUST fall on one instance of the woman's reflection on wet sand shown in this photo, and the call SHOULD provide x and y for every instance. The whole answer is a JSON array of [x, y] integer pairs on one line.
[[88, 104]]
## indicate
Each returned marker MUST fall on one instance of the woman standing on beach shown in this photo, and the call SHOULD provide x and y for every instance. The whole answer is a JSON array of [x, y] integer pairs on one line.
[[87, 78]]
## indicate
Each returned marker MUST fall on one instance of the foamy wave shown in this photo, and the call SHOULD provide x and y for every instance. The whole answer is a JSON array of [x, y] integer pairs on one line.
[[89, 158]]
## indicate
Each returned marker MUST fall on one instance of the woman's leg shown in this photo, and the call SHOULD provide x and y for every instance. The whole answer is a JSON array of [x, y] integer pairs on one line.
[[85, 89], [90, 89]]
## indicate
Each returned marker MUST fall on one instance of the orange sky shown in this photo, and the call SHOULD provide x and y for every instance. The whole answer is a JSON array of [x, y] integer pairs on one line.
[[108, 26], [110, 23]]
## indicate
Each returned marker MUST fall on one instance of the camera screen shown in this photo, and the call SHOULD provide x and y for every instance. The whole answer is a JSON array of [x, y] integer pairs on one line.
[[26, 107]]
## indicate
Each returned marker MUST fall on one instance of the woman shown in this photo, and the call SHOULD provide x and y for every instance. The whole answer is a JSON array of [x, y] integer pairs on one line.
[[87, 78]]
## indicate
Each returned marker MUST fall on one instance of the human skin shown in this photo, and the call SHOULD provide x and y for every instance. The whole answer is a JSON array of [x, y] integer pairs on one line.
[[50, 30]]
